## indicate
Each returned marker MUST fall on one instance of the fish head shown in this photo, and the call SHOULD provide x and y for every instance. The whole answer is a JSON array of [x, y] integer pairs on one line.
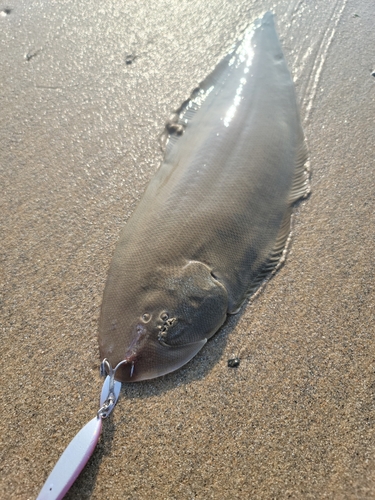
[[161, 322]]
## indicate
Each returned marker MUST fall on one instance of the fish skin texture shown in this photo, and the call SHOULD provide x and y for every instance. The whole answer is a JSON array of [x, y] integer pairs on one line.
[[213, 218]]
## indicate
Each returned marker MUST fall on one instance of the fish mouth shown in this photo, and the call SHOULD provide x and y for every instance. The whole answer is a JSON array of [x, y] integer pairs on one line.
[[126, 366], [123, 356]]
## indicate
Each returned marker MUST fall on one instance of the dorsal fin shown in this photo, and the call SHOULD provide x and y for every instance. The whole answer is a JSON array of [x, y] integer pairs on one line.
[[300, 189]]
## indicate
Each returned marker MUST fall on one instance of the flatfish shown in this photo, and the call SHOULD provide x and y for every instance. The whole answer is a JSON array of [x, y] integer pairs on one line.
[[215, 218]]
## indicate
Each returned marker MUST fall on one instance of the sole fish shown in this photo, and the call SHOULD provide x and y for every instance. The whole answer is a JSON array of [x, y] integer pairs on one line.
[[214, 219]]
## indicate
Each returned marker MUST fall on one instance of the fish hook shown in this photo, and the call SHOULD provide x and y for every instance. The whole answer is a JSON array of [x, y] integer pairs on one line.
[[109, 400]]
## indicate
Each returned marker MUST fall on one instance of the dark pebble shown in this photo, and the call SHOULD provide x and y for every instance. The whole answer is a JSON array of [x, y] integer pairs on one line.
[[233, 363]]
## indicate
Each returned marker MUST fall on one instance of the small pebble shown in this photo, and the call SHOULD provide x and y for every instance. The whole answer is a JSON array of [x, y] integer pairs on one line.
[[234, 362]]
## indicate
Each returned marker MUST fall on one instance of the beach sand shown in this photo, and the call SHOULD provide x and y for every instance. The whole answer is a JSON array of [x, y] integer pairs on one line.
[[85, 91]]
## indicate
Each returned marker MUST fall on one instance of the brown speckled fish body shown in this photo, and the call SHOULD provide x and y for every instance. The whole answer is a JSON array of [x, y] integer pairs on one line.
[[214, 217]]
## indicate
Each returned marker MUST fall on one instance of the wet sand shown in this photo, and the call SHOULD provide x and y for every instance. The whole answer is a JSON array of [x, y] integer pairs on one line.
[[85, 92]]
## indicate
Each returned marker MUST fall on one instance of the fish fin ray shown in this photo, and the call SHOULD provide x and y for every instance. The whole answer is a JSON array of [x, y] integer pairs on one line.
[[300, 189], [277, 256], [301, 181]]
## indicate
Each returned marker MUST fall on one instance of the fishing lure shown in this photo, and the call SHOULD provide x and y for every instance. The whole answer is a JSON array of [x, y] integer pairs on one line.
[[212, 223]]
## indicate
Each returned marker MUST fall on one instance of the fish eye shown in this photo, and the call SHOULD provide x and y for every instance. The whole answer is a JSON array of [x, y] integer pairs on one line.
[[146, 317], [164, 316]]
